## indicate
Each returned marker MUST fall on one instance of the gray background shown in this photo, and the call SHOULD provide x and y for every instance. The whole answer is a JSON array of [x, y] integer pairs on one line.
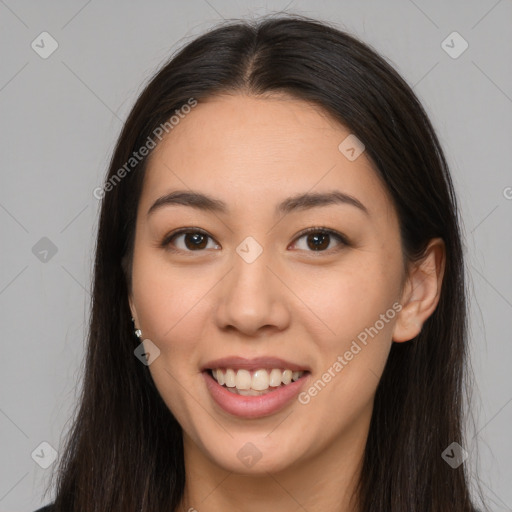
[[61, 115]]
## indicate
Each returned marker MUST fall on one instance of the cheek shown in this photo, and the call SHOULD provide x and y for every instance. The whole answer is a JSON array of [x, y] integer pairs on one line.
[[355, 305], [173, 311], [170, 300], [346, 301]]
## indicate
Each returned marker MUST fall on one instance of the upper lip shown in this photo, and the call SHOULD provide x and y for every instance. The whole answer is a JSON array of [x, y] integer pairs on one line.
[[253, 364]]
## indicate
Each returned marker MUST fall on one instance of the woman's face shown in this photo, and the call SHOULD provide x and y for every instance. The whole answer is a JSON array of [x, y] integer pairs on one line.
[[249, 293]]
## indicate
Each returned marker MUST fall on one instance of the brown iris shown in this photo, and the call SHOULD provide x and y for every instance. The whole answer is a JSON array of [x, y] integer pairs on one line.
[[195, 240], [318, 241]]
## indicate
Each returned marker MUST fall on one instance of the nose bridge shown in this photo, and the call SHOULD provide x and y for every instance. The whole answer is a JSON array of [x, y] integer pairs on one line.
[[251, 296]]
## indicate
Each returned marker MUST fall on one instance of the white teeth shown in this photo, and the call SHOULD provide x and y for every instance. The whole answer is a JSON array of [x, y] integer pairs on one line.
[[275, 377], [243, 379], [229, 378], [245, 383], [287, 376], [260, 380]]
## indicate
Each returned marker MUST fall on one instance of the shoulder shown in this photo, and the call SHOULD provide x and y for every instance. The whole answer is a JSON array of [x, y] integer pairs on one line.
[[48, 508]]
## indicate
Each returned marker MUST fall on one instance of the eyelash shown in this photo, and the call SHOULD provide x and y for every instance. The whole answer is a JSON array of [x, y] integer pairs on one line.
[[166, 242]]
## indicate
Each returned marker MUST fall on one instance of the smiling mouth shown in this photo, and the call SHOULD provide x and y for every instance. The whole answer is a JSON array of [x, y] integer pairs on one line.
[[254, 382]]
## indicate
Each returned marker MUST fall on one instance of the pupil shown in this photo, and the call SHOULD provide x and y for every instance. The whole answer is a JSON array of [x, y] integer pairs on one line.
[[318, 241], [198, 241]]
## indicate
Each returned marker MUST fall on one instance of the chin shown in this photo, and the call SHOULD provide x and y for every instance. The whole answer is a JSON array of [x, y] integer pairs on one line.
[[255, 454]]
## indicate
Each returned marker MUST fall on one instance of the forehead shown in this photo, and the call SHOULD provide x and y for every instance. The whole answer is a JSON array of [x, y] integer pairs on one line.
[[243, 148]]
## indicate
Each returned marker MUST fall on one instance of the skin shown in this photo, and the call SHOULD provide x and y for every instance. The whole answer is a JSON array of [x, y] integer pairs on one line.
[[292, 302]]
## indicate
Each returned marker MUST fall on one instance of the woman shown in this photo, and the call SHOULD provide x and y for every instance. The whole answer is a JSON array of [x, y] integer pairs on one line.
[[278, 315]]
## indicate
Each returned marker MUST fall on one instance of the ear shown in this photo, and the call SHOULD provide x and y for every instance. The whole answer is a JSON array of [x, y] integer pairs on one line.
[[133, 309], [421, 292]]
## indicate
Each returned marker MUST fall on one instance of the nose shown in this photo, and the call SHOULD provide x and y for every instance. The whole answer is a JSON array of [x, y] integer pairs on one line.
[[252, 300]]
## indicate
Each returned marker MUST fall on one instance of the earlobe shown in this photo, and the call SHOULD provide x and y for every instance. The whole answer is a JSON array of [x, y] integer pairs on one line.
[[421, 293]]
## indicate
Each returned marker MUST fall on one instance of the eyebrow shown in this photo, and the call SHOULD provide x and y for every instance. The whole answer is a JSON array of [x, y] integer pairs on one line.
[[305, 201]]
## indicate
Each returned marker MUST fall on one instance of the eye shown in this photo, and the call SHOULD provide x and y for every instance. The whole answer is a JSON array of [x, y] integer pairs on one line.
[[189, 239], [319, 240], [312, 239]]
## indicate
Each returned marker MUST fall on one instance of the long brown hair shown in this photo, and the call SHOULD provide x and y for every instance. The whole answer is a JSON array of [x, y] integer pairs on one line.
[[124, 451]]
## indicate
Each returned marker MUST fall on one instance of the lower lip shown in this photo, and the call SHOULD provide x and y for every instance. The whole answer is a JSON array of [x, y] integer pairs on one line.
[[253, 406]]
